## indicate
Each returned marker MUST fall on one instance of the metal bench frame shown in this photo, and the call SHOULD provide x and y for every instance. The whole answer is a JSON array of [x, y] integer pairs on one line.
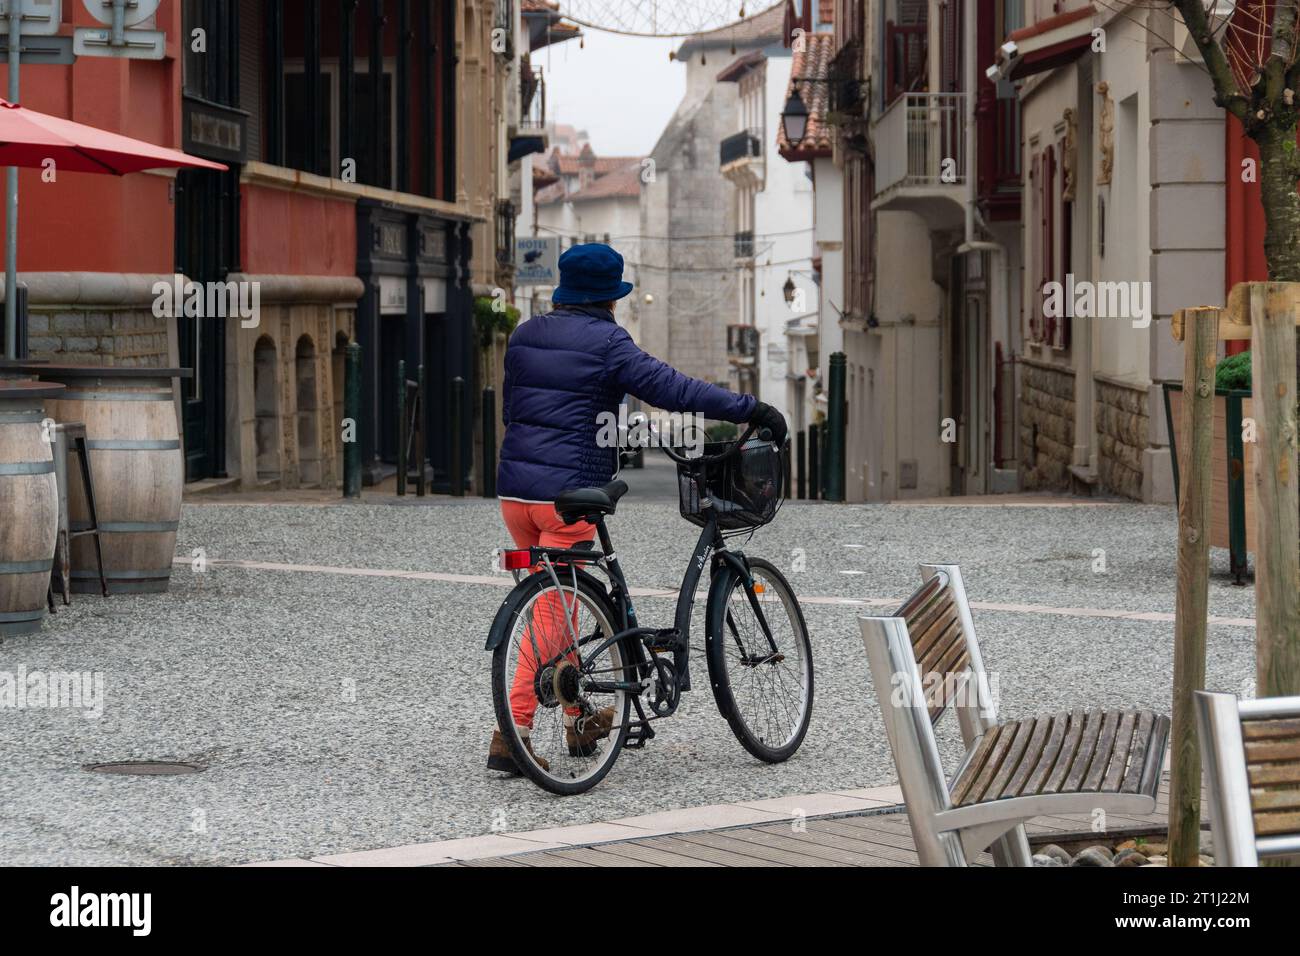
[[1227, 768], [948, 834]]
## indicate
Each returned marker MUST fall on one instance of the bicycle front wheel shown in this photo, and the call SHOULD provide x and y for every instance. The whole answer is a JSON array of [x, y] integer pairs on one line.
[[561, 699], [762, 678]]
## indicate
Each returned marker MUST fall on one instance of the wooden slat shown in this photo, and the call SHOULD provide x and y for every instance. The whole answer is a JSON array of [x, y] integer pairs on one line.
[[991, 764], [962, 785], [595, 856], [1285, 799], [1105, 745], [1033, 752], [1275, 824], [1011, 762], [698, 851], [1069, 747], [801, 842], [1083, 756], [637, 850], [1262, 775], [1047, 759], [759, 849], [1119, 758], [1272, 751], [1264, 729], [1138, 752], [881, 845], [864, 852]]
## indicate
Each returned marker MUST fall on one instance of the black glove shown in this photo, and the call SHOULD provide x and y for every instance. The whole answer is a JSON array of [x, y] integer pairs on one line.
[[767, 417]]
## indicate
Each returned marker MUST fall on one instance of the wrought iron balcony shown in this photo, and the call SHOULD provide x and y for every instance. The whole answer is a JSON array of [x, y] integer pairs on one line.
[[742, 344]]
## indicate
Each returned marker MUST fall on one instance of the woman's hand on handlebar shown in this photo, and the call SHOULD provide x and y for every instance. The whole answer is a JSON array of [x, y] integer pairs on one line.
[[767, 419]]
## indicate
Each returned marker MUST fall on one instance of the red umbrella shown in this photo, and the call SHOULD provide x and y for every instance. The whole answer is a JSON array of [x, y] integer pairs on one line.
[[29, 138]]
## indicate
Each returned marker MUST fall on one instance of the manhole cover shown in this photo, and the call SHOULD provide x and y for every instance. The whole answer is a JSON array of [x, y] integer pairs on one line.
[[148, 768]]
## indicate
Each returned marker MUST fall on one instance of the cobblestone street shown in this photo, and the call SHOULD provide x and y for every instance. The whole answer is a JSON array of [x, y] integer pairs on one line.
[[328, 668]]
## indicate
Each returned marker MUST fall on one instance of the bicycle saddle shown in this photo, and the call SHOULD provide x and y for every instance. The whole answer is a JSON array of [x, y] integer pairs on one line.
[[578, 504]]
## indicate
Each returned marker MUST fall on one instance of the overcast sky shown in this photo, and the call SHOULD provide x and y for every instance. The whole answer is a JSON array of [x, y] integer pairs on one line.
[[621, 90]]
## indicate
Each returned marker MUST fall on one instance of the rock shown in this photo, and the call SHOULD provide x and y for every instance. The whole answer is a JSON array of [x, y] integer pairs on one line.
[[1043, 860], [1127, 845], [1093, 856], [1056, 853], [1158, 860], [1129, 857], [1155, 849], [1207, 843], [1206, 860]]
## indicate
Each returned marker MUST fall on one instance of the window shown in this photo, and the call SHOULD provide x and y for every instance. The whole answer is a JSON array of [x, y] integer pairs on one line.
[[374, 160]]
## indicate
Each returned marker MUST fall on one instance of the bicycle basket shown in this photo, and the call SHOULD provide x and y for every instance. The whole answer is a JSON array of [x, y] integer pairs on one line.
[[746, 489]]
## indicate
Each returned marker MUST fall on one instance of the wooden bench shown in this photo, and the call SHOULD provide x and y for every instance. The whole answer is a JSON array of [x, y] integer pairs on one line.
[[924, 661], [1250, 751]]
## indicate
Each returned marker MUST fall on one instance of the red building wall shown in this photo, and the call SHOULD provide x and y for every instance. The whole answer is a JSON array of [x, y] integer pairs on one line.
[[87, 222], [291, 233]]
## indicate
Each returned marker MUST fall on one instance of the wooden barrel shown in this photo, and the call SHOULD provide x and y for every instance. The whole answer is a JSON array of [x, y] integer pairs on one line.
[[29, 505], [137, 466]]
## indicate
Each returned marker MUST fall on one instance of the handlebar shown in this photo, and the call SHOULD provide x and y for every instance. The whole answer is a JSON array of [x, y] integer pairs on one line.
[[763, 434]]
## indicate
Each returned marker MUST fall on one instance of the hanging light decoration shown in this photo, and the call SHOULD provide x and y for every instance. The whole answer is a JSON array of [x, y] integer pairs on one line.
[[657, 18]]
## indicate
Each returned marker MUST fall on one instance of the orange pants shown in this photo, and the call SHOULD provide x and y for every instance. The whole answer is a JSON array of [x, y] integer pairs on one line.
[[537, 525]]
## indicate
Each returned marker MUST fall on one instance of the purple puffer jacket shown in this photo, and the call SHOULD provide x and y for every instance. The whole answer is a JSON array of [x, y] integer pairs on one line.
[[562, 370]]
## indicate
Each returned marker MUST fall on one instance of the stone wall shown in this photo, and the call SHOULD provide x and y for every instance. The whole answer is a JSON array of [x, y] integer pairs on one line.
[[284, 382], [1046, 425], [94, 337], [1122, 428], [97, 318]]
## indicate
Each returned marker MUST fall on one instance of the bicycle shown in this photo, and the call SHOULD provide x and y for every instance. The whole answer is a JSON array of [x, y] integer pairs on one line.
[[569, 647]]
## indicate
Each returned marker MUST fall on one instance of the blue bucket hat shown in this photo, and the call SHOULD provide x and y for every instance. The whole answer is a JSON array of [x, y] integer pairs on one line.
[[591, 272]]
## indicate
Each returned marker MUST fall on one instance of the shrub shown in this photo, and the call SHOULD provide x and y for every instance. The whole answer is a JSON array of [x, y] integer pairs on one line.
[[1233, 372]]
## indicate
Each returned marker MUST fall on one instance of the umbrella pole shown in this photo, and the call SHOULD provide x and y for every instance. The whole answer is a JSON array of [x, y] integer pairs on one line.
[[11, 196]]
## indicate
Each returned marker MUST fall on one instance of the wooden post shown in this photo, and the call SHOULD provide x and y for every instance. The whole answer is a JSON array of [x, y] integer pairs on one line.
[[1195, 444], [1277, 555]]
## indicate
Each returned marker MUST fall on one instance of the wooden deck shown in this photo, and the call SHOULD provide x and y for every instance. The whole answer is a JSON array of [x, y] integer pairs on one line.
[[874, 838]]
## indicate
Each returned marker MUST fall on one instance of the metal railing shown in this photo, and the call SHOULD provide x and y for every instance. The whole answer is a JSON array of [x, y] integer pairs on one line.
[[532, 99], [921, 141], [747, 144]]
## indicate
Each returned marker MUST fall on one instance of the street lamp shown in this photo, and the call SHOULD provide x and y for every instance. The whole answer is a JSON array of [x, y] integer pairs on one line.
[[794, 119], [788, 290]]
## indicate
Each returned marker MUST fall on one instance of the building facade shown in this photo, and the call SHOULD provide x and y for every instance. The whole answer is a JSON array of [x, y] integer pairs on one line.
[[361, 204]]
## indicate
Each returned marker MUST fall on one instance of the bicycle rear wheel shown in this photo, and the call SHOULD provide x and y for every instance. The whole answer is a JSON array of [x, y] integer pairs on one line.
[[564, 721], [763, 688]]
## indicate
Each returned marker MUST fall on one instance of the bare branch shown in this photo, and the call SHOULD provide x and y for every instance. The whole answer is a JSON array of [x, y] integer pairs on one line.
[[1227, 94]]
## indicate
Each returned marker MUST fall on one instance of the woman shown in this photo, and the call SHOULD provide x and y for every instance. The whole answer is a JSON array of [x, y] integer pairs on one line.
[[565, 372]]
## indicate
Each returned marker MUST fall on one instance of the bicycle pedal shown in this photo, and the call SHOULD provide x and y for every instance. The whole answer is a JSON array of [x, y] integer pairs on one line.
[[637, 735], [667, 639]]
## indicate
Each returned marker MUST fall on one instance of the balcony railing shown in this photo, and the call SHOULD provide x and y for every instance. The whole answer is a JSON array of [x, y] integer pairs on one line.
[[742, 343], [744, 245], [921, 141], [532, 99], [747, 144]]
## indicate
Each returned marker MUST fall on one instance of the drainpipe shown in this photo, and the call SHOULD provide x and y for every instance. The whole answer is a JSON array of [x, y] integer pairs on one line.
[[1000, 266]]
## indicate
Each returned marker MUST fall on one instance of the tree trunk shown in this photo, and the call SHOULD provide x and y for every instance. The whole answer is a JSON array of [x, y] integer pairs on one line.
[[1277, 186]]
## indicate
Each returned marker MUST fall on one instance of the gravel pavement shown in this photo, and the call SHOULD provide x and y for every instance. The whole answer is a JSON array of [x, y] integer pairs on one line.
[[338, 713]]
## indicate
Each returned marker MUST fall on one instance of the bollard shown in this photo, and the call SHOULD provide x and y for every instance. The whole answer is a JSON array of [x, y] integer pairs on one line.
[[352, 413], [800, 455], [401, 427], [489, 443], [422, 416], [814, 463], [457, 429], [833, 475]]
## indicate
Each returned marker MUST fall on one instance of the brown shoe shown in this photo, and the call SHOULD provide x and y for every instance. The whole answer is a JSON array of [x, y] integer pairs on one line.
[[500, 759], [583, 734]]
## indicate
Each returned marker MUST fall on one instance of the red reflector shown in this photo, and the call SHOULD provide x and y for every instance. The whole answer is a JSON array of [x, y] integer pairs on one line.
[[516, 560]]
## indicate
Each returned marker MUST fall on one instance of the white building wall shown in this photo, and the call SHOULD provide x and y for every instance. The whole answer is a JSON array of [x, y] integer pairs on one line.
[[783, 230]]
